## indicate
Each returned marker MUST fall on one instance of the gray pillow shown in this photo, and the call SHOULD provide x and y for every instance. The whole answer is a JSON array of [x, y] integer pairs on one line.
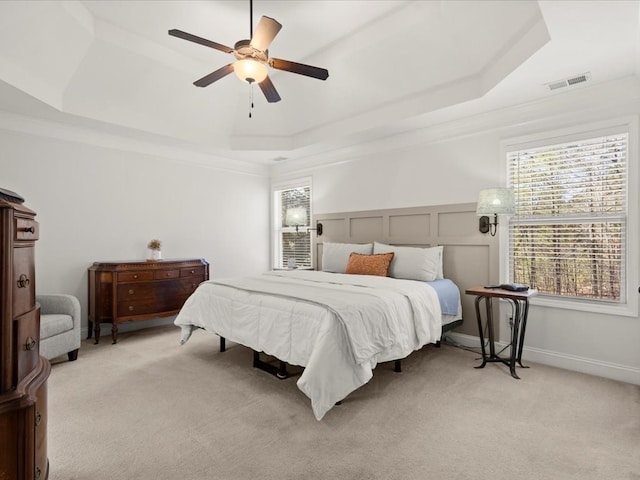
[[413, 263]]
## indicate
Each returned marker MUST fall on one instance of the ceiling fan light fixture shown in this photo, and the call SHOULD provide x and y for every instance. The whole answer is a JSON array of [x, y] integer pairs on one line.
[[250, 70]]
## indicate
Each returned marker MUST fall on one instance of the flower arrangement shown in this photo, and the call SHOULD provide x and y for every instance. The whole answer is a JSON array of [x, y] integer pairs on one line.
[[154, 245]]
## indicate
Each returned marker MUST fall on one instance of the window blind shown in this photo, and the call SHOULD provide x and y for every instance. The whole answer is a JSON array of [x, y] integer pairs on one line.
[[568, 235], [294, 244]]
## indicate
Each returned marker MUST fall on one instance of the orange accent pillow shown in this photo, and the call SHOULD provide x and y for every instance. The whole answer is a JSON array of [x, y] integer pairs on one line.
[[376, 264]]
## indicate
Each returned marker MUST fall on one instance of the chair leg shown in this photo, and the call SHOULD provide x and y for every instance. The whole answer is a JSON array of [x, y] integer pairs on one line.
[[73, 354]]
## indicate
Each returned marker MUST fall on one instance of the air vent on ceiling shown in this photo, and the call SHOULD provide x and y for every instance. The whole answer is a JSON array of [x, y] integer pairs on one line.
[[567, 82], [279, 159]]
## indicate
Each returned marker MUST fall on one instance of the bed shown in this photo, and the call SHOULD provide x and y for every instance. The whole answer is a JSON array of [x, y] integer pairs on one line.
[[338, 323]]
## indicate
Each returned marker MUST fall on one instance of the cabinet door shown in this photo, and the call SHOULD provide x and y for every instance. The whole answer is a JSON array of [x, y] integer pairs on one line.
[[23, 430], [9, 450], [40, 422]]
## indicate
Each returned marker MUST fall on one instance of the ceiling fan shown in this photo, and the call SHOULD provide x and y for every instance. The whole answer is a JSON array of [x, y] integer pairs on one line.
[[252, 58]]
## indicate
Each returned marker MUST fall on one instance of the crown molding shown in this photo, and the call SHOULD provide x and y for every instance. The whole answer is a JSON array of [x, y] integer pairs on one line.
[[560, 109], [76, 134]]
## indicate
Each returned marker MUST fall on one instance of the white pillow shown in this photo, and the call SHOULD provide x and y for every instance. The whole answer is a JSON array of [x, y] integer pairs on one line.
[[413, 263], [336, 255]]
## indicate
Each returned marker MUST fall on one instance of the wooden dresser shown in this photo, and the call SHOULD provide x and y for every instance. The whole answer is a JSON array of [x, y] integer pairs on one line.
[[130, 291], [23, 372]]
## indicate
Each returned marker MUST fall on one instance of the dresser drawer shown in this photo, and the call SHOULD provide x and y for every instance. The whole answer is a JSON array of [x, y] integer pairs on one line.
[[27, 328], [165, 274], [135, 276], [188, 285], [150, 306], [133, 291], [26, 229], [23, 285], [192, 272]]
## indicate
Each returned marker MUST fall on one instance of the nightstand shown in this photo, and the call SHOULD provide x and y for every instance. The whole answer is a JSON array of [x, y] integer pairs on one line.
[[520, 303]]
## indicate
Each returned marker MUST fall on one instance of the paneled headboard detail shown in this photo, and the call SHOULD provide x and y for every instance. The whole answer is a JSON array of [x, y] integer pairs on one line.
[[470, 257]]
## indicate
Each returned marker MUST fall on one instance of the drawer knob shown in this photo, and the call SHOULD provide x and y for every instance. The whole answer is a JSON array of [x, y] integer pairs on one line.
[[135, 276], [38, 473], [131, 292], [23, 281], [193, 271], [131, 308], [30, 230], [38, 418], [31, 344]]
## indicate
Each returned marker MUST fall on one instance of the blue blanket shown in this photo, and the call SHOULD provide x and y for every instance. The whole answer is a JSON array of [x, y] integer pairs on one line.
[[448, 294]]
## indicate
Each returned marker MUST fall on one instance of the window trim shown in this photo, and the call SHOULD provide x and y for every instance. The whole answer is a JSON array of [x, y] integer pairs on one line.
[[584, 131], [274, 227]]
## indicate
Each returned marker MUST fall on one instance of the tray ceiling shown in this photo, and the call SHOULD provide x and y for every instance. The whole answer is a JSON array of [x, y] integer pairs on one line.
[[112, 66]]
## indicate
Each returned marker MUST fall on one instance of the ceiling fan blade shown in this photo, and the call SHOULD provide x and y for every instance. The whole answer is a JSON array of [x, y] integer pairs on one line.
[[264, 34], [213, 76], [300, 68], [201, 41], [269, 90]]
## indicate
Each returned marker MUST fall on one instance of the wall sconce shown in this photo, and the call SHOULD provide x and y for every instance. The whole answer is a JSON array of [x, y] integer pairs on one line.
[[295, 217], [494, 201], [318, 229], [298, 216]]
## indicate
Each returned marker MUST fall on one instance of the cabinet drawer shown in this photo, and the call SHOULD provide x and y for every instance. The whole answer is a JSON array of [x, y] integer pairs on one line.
[[23, 285], [164, 274], [151, 306], [135, 276], [188, 285], [26, 229], [134, 292], [192, 272], [27, 328], [134, 308]]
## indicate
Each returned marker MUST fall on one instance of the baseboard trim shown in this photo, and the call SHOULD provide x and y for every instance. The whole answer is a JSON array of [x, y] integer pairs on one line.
[[622, 373]]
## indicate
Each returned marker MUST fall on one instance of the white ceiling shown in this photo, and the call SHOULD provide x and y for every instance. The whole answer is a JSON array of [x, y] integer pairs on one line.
[[110, 65]]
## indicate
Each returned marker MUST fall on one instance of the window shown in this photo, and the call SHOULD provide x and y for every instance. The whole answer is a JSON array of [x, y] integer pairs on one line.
[[292, 219], [568, 237]]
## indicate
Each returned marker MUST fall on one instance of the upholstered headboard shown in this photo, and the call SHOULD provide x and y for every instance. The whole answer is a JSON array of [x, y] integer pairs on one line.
[[470, 257]]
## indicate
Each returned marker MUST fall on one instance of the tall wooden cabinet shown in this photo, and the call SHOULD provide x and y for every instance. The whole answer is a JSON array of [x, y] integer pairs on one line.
[[23, 372]]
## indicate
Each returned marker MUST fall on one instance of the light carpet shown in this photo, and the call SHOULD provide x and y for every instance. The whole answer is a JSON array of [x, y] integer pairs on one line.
[[147, 408]]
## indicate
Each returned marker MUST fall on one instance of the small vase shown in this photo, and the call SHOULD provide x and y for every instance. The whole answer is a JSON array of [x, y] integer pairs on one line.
[[155, 255]]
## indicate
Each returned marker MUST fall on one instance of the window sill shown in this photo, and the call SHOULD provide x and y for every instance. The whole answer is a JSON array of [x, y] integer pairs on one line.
[[623, 310]]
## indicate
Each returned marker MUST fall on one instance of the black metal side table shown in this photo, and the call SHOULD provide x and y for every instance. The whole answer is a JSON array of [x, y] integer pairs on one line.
[[520, 303]]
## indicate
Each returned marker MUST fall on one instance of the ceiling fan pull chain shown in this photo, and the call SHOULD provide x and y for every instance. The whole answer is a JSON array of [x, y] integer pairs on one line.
[[251, 98]]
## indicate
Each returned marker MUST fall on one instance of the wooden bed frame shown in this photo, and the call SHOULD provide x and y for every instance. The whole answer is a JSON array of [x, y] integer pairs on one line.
[[470, 257]]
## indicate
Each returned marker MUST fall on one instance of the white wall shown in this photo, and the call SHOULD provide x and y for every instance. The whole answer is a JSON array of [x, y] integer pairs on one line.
[[450, 163], [104, 204]]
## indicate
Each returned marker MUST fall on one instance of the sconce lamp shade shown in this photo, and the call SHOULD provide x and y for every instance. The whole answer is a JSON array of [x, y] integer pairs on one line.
[[494, 201], [296, 216]]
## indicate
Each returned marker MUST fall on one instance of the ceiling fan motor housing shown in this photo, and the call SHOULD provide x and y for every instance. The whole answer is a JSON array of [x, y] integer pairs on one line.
[[252, 63]]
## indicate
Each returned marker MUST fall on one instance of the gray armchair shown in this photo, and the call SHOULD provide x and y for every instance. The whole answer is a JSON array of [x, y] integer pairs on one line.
[[59, 325]]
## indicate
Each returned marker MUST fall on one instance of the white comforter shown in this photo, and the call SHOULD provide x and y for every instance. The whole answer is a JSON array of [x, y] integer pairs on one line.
[[336, 326]]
